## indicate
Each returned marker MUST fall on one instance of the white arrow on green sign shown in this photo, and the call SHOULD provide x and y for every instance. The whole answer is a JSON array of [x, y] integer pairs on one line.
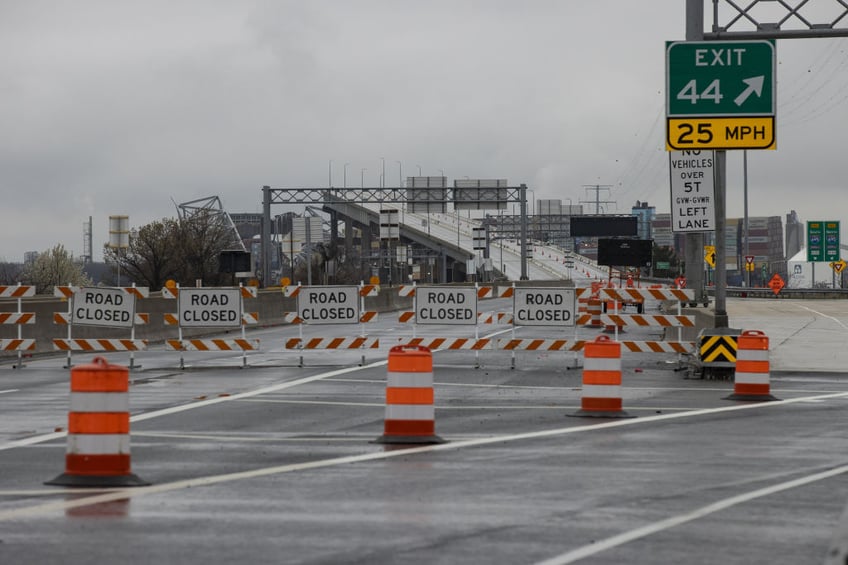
[[720, 78]]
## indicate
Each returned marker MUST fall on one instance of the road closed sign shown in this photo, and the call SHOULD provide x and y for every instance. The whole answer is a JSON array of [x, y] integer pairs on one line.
[[329, 305], [544, 307], [450, 306], [110, 307], [210, 307]]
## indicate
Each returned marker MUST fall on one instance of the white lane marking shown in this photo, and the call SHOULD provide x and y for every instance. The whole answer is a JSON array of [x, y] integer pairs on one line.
[[662, 525], [823, 315], [208, 402], [9, 390], [61, 505]]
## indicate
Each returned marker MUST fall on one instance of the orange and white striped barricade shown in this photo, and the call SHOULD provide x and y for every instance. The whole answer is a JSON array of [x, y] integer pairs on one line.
[[17, 319], [447, 343], [335, 343], [410, 413], [98, 448], [601, 393], [211, 307], [594, 310], [751, 381]]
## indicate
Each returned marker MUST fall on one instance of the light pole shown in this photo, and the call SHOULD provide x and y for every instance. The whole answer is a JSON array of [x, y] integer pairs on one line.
[[362, 178], [400, 174], [330, 173], [383, 174], [345, 174], [419, 170]]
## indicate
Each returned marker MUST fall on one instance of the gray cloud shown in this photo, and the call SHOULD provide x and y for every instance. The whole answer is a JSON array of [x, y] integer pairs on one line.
[[116, 108]]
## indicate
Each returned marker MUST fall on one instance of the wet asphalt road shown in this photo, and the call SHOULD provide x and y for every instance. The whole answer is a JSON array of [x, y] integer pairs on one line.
[[276, 463]]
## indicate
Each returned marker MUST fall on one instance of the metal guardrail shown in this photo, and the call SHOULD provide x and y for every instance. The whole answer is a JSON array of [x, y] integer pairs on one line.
[[786, 293]]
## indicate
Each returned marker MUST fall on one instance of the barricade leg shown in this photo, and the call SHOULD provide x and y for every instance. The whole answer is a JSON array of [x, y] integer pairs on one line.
[[410, 413], [98, 448], [601, 393], [751, 380]]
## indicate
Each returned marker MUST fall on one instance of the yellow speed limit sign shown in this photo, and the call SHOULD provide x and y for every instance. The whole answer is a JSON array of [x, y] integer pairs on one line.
[[720, 133]]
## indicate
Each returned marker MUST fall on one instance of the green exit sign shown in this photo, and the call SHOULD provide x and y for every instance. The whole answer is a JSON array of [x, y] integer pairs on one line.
[[720, 78], [822, 241]]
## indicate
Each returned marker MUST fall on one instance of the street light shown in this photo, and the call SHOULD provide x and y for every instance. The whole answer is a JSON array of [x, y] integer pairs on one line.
[[362, 177], [330, 173], [345, 174], [383, 174], [419, 170], [400, 174]]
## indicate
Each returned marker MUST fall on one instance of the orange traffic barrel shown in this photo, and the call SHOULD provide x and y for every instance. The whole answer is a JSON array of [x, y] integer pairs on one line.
[[98, 448], [601, 392], [410, 413], [751, 381]]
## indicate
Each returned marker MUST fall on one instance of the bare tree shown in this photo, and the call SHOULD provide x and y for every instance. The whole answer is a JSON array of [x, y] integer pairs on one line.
[[183, 250], [153, 255]]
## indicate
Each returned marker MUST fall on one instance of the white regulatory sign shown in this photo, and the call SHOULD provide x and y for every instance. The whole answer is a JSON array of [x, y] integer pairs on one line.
[[210, 307], [692, 191], [543, 306], [329, 304], [103, 307], [443, 305]]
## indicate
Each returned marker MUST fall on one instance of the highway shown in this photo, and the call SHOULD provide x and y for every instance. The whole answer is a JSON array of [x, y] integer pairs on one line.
[[276, 463]]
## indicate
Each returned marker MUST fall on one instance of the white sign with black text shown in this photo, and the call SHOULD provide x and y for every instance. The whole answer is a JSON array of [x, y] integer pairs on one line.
[[98, 306], [543, 307], [329, 304], [210, 307], [441, 305], [692, 191]]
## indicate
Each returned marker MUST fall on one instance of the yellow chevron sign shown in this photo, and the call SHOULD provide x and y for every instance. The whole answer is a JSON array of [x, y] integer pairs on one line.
[[718, 349]]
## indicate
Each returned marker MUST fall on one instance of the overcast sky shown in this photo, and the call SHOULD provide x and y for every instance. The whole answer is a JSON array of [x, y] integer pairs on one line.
[[116, 107]]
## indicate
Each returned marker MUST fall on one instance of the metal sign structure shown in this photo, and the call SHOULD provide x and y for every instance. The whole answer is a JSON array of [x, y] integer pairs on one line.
[[720, 94], [692, 191]]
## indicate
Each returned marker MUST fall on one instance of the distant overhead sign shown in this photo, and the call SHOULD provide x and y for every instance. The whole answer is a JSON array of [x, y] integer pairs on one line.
[[692, 191], [480, 194], [625, 252], [823, 241], [389, 223], [603, 226], [427, 194]]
